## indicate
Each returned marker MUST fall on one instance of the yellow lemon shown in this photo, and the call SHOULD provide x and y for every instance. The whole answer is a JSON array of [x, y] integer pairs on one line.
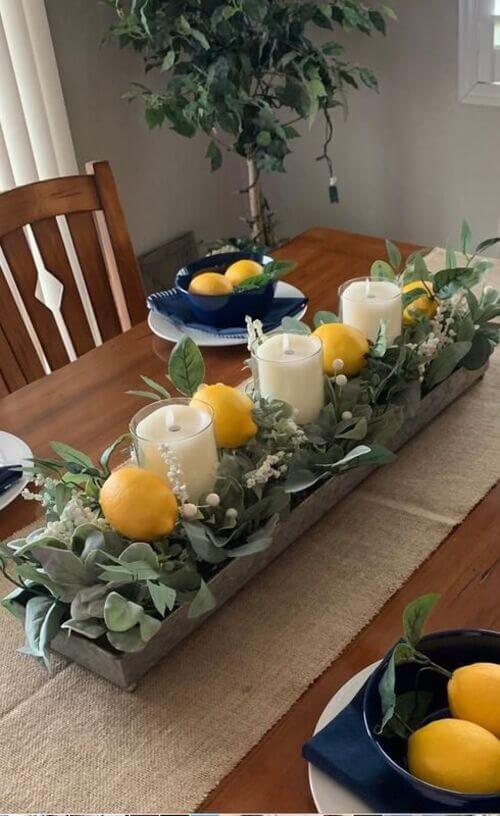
[[210, 283], [239, 271], [138, 504], [425, 305], [474, 695], [234, 425], [457, 755], [342, 342]]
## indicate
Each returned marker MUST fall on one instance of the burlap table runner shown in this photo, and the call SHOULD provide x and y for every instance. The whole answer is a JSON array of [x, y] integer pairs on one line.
[[74, 743]]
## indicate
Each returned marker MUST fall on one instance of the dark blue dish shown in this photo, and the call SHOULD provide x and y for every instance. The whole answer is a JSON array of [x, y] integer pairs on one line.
[[225, 310], [451, 650]]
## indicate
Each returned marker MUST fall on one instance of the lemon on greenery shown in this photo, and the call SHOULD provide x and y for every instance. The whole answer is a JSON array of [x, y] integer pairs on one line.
[[474, 695], [138, 504], [210, 283], [425, 305], [457, 755], [240, 271], [233, 421], [342, 342]]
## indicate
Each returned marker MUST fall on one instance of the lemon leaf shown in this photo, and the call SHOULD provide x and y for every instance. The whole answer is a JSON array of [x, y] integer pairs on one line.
[[415, 617], [186, 368]]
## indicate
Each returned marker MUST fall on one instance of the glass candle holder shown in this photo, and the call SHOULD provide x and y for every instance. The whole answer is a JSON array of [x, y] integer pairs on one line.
[[364, 302], [185, 431], [289, 367]]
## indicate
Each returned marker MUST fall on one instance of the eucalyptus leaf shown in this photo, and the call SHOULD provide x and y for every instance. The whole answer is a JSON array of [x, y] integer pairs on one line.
[[110, 450], [381, 270], [186, 368], [465, 238], [89, 603], [140, 551], [120, 615], [11, 601], [445, 363], [202, 603], [64, 568], [91, 628], [322, 317], [258, 541], [380, 346], [291, 325], [479, 354], [148, 627], [129, 641]]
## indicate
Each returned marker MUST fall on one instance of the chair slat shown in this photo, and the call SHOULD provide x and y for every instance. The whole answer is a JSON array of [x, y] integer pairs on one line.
[[86, 241], [56, 261], [19, 339], [120, 240], [20, 260], [11, 377], [45, 199]]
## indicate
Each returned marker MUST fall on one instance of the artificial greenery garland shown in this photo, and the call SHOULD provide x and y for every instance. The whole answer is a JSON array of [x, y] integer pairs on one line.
[[78, 574]]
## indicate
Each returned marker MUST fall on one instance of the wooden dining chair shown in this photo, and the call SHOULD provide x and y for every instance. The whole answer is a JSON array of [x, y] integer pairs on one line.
[[74, 229]]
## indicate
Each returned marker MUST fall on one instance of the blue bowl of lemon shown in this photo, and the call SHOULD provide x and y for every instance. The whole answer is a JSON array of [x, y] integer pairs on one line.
[[432, 710], [222, 289]]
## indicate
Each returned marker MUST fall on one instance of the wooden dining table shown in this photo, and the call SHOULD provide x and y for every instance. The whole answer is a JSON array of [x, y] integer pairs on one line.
[[85, 405]]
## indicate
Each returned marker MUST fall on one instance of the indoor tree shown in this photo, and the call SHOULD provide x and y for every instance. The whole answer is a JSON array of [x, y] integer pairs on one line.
[[245, 72]]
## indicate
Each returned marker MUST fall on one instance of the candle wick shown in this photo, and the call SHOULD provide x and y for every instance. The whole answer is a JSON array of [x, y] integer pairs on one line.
[[174, 428], [289, 351]]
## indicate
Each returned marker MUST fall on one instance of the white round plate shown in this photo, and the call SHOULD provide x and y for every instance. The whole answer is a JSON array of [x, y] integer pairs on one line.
[[164, 328], [13, 451], [330, 796]]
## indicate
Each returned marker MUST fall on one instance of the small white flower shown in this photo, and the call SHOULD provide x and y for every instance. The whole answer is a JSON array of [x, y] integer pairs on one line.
[[231, 513], [338, 365], [347, 415], [189, 511], [341, 380], [213, 499]]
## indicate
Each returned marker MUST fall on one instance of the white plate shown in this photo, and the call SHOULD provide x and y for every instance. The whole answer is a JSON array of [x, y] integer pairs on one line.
[[13, 451], [330, 796], [164, 328]]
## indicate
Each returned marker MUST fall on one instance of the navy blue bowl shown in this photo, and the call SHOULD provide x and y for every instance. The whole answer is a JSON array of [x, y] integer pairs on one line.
[[451, 650], [224, 311]]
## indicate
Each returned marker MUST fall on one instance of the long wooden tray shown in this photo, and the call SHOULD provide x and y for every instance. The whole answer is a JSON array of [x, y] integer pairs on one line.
[[126, 669]]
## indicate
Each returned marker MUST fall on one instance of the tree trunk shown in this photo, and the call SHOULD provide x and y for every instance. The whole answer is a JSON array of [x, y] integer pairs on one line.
[[257, 219]]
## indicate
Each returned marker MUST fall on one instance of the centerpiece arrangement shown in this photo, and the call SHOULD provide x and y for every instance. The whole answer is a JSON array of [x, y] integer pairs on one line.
[[205, 482]]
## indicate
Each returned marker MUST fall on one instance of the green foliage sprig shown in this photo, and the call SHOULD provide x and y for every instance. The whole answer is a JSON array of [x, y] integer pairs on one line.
[[403, 713]]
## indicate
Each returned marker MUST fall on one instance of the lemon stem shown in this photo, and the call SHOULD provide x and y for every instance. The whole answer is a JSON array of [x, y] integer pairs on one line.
[[430, 663]]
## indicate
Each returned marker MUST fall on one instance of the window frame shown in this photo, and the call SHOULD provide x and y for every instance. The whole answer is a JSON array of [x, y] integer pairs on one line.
[[471, 89]]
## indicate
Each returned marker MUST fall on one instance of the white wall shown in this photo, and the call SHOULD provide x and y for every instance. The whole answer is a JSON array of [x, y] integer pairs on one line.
[[412, 161], [164, 180]]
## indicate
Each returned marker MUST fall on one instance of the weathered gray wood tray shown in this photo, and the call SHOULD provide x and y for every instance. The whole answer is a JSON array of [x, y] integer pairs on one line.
[[125, 670]]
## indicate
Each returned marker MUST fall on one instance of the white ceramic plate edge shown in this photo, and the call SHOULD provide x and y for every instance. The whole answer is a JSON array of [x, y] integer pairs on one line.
[[21, 455], [330, 796], [163, 328]]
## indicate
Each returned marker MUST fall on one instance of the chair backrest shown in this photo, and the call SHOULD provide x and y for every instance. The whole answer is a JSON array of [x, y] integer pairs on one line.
[[65, 240]]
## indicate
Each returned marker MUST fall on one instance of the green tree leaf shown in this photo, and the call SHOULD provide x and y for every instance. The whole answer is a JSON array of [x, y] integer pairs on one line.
[[163, 596], [186, 368], [465, 238], [214, 154], [291, 325]]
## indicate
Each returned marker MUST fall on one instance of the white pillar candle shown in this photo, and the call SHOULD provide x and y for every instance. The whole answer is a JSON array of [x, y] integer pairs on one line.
[[290, 368], [365, 302], [188, 433]]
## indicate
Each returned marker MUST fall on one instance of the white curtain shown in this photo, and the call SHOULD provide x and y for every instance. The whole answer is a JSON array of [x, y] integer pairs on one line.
[[35, 139]]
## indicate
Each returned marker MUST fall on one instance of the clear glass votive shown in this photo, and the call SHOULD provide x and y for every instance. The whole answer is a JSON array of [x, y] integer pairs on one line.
[[364, 302], [187, 431], [289, 367]]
